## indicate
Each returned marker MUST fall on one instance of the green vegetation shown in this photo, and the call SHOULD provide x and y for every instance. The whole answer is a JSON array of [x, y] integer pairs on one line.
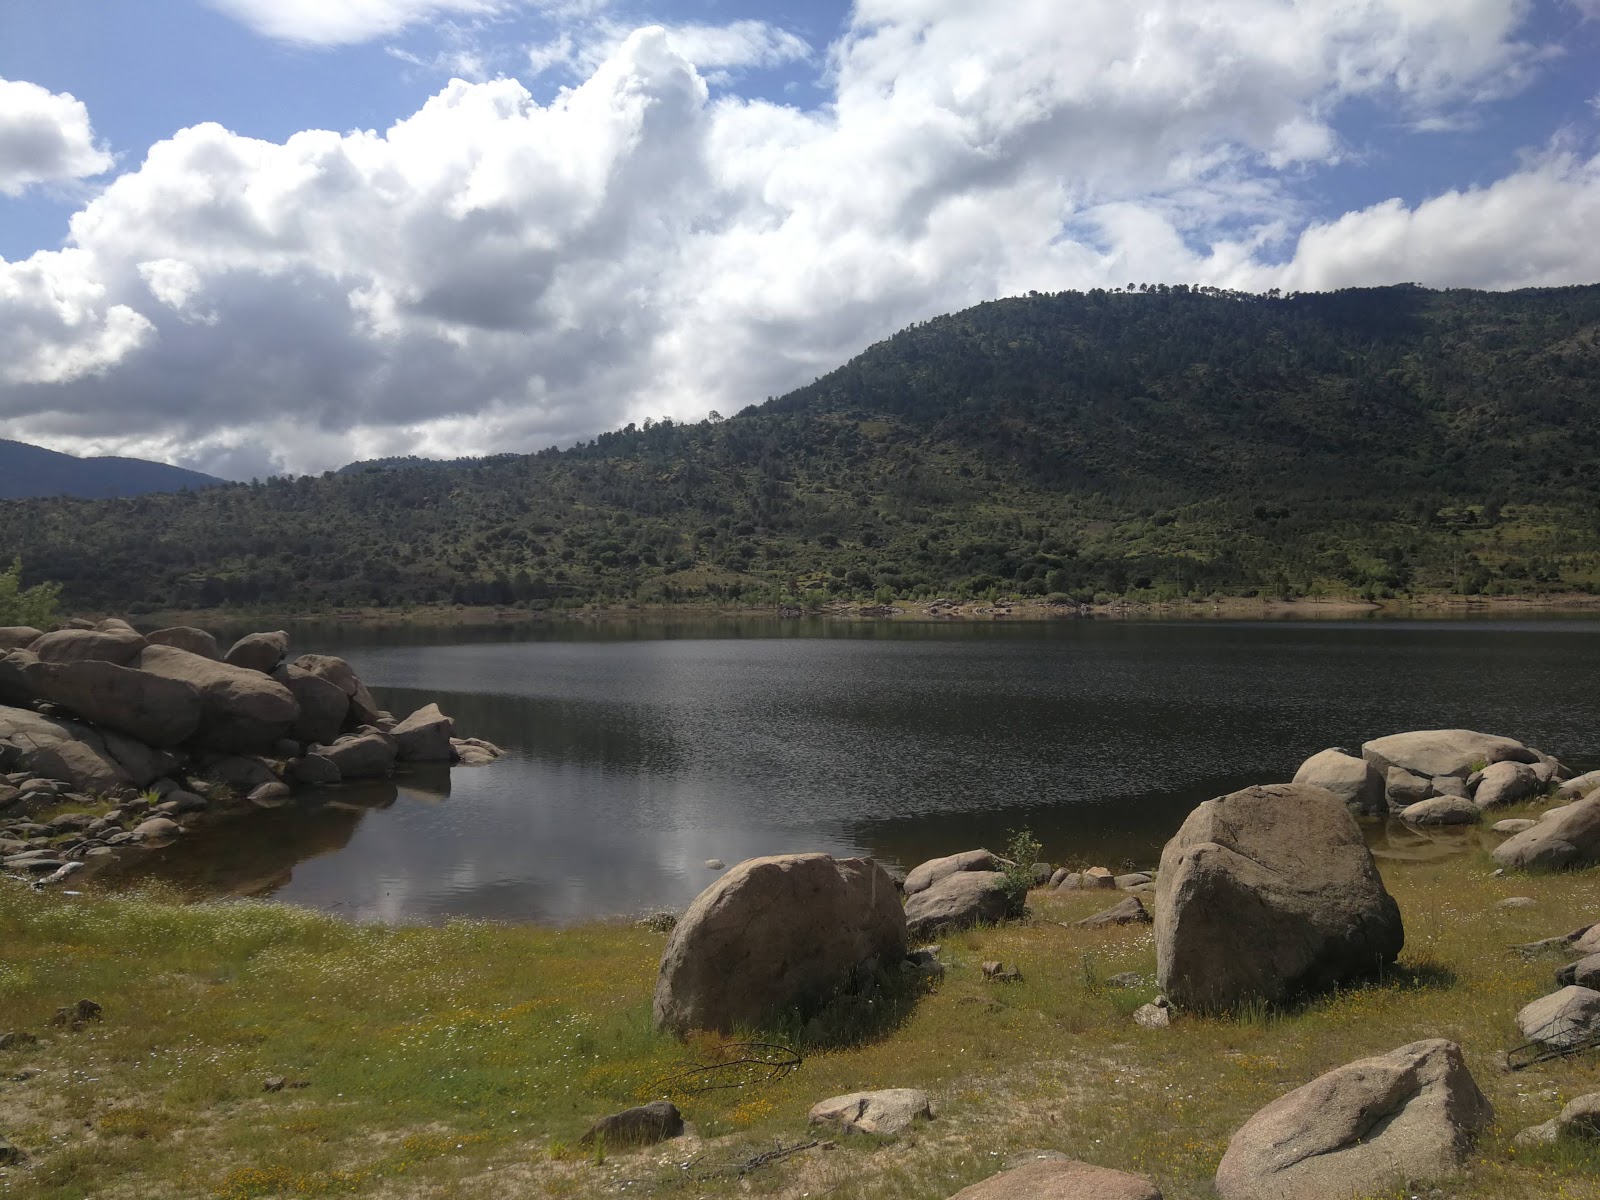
[[37, 606], [1157, 443], [468, 1060]]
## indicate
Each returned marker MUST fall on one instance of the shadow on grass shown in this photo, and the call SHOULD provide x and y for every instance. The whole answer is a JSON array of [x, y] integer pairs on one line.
[[871, 1005], [1420, 976]]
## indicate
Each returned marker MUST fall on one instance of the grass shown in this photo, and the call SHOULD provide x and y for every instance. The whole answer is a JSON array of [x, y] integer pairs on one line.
[[468, 1060]]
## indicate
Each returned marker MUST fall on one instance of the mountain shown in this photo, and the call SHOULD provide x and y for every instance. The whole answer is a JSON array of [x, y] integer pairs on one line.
[[1163, 441], [34, 471]]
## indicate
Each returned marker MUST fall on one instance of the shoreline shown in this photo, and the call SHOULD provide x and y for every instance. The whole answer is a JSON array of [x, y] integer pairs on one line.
[[1571, 604]]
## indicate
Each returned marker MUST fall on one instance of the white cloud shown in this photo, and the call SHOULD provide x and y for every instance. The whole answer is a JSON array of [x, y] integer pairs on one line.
[[493, 273], [45, 137], [719, 52], [342, 22]]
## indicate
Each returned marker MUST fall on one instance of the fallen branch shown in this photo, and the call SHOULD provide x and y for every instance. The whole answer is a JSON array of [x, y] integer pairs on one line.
[[760, 1062]]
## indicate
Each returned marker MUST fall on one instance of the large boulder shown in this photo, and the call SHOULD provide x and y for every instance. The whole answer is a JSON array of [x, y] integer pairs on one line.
[[1354, 780], [1402, 788], [114, 645], [1266, 893], [18, 637], [1442, 810], [931, 872], [958, 901], [62, 750], [1506, 783], [14, 686], [360, 755], [186, 637], [424, 736], [364, 709], [773, 933], [323, 704], [1580, 787], [240, 710], [153, 709], [1564, 1019], [1579, 1118], [258, 651], [1429, 752], [1408, 1116], [1060, 1179], [1569, 838]]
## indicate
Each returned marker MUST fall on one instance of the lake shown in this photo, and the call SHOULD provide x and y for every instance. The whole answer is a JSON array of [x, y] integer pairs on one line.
[[636, 753]]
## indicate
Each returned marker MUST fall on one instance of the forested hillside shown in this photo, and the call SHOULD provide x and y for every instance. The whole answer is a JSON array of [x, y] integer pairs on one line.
[[1168, 441]]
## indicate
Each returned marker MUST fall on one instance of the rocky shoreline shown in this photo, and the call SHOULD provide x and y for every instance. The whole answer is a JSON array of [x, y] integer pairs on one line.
[[112, 740]]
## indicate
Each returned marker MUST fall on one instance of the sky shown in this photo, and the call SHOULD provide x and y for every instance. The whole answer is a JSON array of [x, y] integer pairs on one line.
[[259, 237]]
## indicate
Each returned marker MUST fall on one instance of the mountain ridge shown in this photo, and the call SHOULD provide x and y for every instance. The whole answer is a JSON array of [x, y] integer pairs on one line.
[[28, 471]]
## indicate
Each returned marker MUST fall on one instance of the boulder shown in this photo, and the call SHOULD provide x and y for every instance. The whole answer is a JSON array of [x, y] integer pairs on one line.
[[1564, 1019], [120, 646], [424, 736], [1579, 788], [363, 708], [1578, 1119], [1401, 788], [1506, 783], [15, 689], [313, 769], [1569, 838], [1060, 1179], [923, 877], [957, 901], [186, 637], [1431, 752], [18, 637], [360, 755], [1408, 1116], [243, 773], [773, 933], [1134, 879], [1127, 911], [87, 769], [475, 752], [240, 709], [643, 1126], [323, 704], [884, 1112], [1266, 893], [1449, 785], [1155, 1015], [1584, 973], [143, 764], [258, 651], [1442, 810], [154, 710], [1354, 780], [1511, 825], [157, 829]]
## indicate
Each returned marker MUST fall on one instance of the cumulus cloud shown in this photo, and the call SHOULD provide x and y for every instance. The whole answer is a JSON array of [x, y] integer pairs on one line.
[[342, 22], [719, 52], [493, 273], [45, 137]]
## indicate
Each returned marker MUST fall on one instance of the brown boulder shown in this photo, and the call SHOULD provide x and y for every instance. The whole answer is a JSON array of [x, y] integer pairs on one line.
[[120, 646], [1060, 1179], [85, 768], [1430, 752], [1568, 837], [1506, 783], [258, 651], [958, 901], [1408, 1116], [643, 1126], [323, 705], [931, 872], [186, 637], [150, 708], [1266, 893], [1127, 911], [18, 637], [360, 755], [424, 736], [363, 708], [240, 709], [1354, 780], [773, 933]]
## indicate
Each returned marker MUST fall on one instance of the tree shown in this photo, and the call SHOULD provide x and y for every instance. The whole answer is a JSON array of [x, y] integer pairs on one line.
[[36, 606]]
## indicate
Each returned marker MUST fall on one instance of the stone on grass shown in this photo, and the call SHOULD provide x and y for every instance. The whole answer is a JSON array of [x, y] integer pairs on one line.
[[1517, 902], [1512, 825], [1570, 838], [1155, 1015], [1580, 1118], [1430, 752], [1579, 788], [1133, 879], [1408, 1116], [1267, 893], [1354, 780], [775, 933], [1562, 1020], [10, 1156], [1127, 911], [643, 1126], [1060, 1179], [1505, 783], [958, 901], [1584, 973], [922, 877], [1442, 810], [884, 1113]]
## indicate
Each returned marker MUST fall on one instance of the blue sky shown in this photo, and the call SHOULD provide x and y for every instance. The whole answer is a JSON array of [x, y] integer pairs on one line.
[[626, 210]]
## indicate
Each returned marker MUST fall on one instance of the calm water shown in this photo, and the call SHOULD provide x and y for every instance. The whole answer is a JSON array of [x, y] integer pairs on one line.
[[637, 754]]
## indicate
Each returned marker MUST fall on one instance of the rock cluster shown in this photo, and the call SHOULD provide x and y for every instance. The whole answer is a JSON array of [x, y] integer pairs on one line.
[[167, 725]]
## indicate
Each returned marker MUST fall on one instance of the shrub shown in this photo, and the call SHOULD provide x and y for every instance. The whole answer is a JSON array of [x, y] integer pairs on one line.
[[36, 606]]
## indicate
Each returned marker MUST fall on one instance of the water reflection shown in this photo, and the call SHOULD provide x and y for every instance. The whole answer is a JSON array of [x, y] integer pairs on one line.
[[636, 757]]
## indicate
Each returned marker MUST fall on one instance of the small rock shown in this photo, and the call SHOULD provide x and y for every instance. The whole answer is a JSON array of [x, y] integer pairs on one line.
[[16, 1041], [715, 864], [269, 795], [642, 1126], [1128, 911], [1134, 879], [1155, 1015], [1512, 825], [76, 1016], [156, 829], [10, 1156], [884, 1113], [1585, 973], [1562, 1020], [1126, 979], [274, 1083], [661, 922], [1060, 1179], [1000, 973], [1579, 1119], [1517, 902]]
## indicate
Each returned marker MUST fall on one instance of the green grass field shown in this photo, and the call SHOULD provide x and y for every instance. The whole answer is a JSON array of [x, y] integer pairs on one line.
[[466, 1060]]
